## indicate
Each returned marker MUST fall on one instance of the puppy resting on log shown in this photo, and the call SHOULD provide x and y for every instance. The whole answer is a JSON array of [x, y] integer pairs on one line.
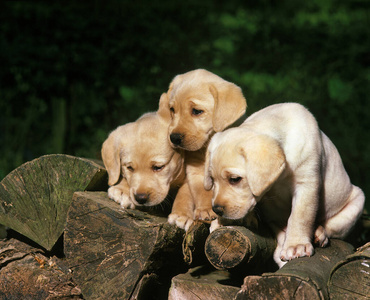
[[141, 164], [279, 158]]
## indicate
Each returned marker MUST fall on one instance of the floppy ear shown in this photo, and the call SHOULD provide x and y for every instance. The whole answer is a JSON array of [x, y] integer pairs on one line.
[[208, 182], [164, 109], [265, 161], [230, 104], [111, 156]]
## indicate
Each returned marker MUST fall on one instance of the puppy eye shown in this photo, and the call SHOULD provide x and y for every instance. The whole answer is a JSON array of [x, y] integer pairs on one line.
[[157, 168], [172, 110], [196, 112], [234, 180], [130, 168]]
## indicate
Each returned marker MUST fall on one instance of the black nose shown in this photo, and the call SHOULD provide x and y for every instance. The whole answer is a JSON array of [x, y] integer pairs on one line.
[[141, 198], [176, 138], [218, 209]]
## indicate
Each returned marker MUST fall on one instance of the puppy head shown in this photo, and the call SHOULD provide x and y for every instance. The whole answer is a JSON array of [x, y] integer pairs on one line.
[[240, 169], [139, 152], [202, 103]]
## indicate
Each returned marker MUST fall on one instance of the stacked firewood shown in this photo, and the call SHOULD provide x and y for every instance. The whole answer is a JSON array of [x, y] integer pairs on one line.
[[67, 240]]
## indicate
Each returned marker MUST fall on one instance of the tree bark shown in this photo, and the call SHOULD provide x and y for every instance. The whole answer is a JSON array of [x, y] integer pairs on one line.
[[26, 273], [193, 244], [300, 278], [201, 283], [115, 253], [236, 246], [35, 197], [350, 278]]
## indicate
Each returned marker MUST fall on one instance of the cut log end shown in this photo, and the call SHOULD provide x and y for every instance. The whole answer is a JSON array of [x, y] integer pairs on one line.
[[233, 246], [35, 197]]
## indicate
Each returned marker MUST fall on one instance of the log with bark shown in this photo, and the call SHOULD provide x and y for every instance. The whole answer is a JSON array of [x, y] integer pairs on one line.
[[229, 247], [194, 242], [350, 278], [35, 197], [202, 283], [27, 273], [300, 278], [118, 254]]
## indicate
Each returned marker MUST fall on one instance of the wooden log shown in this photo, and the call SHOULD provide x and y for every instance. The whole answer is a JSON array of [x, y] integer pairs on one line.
[[235, 246], [35, 197], [194, 242], [26, 273], [300, 278], [111, 250], [350, 278], [201, 283]]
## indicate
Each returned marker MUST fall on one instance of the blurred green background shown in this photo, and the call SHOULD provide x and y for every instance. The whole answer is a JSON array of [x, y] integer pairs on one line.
[[72, 71]]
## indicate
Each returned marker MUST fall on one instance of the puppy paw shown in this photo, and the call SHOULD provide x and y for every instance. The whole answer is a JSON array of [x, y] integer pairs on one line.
[[300, 250], [180, 221], [321, 238], [214, 225], [116, 194], [204, 214]]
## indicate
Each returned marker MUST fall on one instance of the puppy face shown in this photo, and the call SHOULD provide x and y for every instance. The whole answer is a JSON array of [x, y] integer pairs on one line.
[[240, 169], [201, 103], [139, 152]]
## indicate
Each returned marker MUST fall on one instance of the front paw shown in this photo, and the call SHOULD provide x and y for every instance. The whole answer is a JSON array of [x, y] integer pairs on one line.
[[215, 224], [116, 194], [204, 214], [295, 251], [321, 238], [181, 221]]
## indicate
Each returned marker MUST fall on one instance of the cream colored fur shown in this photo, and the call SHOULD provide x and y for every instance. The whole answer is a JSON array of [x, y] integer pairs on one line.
[[201, 103], [141, 164], [281, 160]]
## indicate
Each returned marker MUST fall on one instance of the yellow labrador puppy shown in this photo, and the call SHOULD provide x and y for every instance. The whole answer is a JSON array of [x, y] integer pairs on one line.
[[141, 164], [201, 103], [281, 160]]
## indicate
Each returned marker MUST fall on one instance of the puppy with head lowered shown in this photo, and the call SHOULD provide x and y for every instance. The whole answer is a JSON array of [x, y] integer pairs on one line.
[[142, 166], [201, 103], [281, 160]]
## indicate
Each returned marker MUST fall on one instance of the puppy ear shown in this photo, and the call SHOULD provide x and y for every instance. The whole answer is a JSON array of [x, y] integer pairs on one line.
[[265, 161], [230, 104], [208, 182], [111, 156], [164, 109]]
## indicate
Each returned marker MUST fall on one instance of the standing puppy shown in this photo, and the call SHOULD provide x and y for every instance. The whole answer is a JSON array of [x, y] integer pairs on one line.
[[280, 159], [201, 103], [142, 166]]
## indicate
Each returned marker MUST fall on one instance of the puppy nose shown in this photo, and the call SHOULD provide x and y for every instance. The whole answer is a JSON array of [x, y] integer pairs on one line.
[[218, 209], [141, 198], [176, 138]]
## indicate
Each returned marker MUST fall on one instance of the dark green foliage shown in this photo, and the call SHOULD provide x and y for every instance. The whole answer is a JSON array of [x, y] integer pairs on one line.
[[71, 71]]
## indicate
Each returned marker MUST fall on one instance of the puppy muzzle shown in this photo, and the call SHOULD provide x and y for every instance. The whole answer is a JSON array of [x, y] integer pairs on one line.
[[176, 139], [219, 210], [142, 198]]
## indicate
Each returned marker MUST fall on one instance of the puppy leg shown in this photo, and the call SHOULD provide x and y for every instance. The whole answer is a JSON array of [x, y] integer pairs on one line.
[[280, 238], [321, 237], [300, 227], [121, 194], [339, 225], [182, 209], [202, 199]]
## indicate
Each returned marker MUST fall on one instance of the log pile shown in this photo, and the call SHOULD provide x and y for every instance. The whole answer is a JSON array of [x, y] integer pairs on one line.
[[67, 240]]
